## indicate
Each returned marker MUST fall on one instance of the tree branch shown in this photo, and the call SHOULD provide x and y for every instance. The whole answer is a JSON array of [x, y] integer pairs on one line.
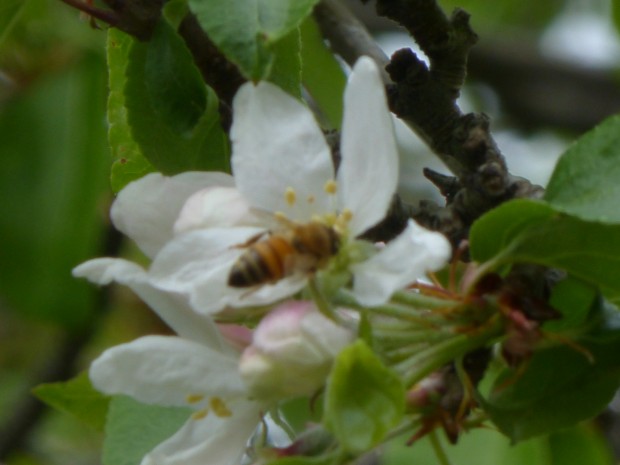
[[138, 19], [219, 73], [425, 98], [347, 35], [135, 17]]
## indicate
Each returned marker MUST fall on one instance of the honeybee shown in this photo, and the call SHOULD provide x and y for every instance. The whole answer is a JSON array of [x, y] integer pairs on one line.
[[299, 248]]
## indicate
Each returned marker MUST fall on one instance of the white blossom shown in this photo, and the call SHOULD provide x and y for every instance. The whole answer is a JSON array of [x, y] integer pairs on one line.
[[194, 225], [283, 166]]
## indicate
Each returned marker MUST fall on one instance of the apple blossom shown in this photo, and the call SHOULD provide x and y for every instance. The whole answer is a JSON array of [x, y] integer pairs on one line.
[[283, 168], [194, 225]]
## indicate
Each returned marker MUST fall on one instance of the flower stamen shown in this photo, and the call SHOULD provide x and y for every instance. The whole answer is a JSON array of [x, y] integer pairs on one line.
[[194, 398], [330, 219], [200, 414], [219, 407], [331, 187], [290, 196]]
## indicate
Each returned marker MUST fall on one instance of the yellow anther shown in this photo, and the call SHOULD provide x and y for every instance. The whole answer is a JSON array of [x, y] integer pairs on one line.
[[331, 187], [311, 198], [194, 398], [219, 407], [346, 215], [280, 216], [330, 219], [290, 195], [200, 414]]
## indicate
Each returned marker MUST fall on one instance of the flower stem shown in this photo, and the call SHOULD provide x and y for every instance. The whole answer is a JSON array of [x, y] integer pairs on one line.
[[426, 361], [322, 304], [417, 300], [424, 317], [438, 448]]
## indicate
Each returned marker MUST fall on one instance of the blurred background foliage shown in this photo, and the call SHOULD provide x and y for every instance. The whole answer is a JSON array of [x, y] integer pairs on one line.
[[544, 71]]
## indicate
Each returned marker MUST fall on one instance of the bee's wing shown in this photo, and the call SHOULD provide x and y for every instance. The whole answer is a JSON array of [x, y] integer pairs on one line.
[[272, 221]]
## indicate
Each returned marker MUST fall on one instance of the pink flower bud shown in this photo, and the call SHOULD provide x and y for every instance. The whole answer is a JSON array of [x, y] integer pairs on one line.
[[292, 351]]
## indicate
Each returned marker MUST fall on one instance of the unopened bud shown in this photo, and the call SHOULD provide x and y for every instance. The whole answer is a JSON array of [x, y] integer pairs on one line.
[[292, 351]]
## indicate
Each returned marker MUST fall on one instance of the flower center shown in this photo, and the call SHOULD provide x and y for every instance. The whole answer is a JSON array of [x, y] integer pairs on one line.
[[339, 221]]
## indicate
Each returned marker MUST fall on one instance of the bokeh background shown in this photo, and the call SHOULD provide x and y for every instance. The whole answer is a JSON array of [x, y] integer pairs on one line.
[[545, 72]]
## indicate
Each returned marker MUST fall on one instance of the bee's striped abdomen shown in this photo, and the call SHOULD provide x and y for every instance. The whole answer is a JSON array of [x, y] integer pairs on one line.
[[263, 262]]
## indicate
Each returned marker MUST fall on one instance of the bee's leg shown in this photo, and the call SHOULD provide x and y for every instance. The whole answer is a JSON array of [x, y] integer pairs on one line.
[[252, 240], [251, 291]]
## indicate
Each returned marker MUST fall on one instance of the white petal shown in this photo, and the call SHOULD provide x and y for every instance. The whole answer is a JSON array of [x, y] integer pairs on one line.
[[197, 259], [277, 145], [215, 207], [164, 370], [413, 253], [172, 308], [198, 263], [146, 209], [104, 271], [215, 294], [210, 441], [368, 172]]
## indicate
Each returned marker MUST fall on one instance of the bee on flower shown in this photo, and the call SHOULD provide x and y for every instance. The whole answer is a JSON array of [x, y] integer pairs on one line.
[[212, 236]]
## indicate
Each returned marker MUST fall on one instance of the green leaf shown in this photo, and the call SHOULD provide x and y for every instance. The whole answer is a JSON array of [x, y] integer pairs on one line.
[[585, 180], [364, 399], [245, 30], [286, 70], [321, 74], [574, 300], [129, 163], [495, 231], [10, 11], [174, 84], [76, 397], [205, 148], [560, 386], [526, 231], [53, 184], [134, 429]]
